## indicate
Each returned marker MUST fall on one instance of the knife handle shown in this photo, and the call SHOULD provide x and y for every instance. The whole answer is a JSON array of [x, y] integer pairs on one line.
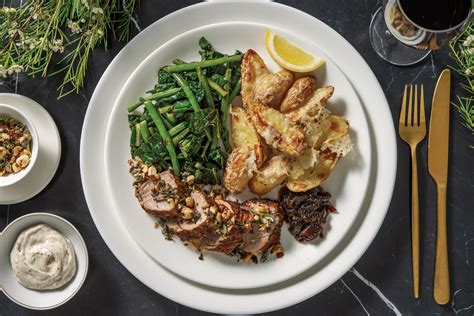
[[441, 289], [415, 224]]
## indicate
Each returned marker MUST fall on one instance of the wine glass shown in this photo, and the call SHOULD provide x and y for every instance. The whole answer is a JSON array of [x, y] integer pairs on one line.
[[404, 32]]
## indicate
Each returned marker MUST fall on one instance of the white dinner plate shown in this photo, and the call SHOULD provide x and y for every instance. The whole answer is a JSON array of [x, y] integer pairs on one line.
[[348, 182], [110, 222]]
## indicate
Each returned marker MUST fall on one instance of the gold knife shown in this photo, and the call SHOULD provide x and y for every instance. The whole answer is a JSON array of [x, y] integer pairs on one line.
[[438, 145]]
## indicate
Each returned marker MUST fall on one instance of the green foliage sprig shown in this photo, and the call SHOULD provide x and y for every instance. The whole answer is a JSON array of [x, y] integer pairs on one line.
[[462, 51], [56, 37]]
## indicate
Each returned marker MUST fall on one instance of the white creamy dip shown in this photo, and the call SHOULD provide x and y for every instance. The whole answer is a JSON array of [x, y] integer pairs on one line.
[[42, 258]]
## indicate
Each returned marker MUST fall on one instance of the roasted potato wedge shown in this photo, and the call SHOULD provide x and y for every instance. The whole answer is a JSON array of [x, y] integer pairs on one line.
[[316, 175], [337, 128], [244, 134], [277, 130], [239, 169], [271, 88], [300, 164], [301, 90], [312, 108], [252, 68], [337, 137], [273, 173]]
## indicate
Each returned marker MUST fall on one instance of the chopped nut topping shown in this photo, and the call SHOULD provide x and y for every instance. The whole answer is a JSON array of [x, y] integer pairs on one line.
[[189, 201], [15, 142], [172, 202], [219, 217], [226, 215], [186, 212], [190, 179]]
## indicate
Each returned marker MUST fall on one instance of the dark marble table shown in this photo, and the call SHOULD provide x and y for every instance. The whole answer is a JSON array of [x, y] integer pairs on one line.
[[381, 278]]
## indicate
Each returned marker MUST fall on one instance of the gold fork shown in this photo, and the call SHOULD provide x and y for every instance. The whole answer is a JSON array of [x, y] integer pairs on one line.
[[412, 129]]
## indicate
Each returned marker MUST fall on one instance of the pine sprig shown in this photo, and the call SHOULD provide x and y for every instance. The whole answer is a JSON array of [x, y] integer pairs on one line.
[[56, 37], [465, 108], [462, 51]]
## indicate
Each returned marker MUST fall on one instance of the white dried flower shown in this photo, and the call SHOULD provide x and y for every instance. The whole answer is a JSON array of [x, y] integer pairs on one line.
[[74, 27], [85, 3], [15, 69], [97, 10], [468, 41], [32, 43], [3, 71], [469, 72], [8, 10], [100, 33], [56, 45]]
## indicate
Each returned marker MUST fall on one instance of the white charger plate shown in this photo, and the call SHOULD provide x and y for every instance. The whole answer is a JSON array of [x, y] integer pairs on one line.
[[312, 281], [348, 183]]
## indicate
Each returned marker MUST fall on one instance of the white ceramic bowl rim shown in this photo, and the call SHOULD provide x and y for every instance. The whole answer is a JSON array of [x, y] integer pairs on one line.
[[86, 263], [20, 116]]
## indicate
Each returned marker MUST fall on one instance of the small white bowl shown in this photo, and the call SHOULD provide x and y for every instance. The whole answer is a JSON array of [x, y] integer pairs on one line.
[[48, 299], [11, 111]]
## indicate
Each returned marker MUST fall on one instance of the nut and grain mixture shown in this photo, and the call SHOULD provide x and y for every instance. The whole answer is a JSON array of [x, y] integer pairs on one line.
[[15, 146]]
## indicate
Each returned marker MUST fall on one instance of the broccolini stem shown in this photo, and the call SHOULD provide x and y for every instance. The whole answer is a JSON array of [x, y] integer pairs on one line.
[[204, 151], [137, 134], [207, 90], [180, 136], [178, 128], [167, 123], [216, 87], [144, 130], [157, 119], [170, 117], [204, 64], [224, 101], [165, 109], [187, 91], [155, 96], [190, 95], [234, 92]]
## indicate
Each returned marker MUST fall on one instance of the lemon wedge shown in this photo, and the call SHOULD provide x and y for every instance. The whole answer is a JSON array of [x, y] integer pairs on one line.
[[290, 56]]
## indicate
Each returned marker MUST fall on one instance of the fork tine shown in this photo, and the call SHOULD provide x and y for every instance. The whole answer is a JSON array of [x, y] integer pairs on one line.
[[415, 108], [410, 107], [403, 110], [422, 106]]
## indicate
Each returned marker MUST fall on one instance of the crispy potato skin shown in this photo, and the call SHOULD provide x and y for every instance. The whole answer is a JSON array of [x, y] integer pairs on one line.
[[273, 173], [310, 109], [244, 134], [252, 69], [239, 169], [270, 89], [301, 90], [316, 175], [277, 130]]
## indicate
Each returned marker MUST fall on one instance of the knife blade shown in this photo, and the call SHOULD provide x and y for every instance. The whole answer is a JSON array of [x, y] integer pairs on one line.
[[438, 145], [438, 140]]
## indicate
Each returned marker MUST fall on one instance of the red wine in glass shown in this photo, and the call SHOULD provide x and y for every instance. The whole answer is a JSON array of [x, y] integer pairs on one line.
[[403, 32]]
